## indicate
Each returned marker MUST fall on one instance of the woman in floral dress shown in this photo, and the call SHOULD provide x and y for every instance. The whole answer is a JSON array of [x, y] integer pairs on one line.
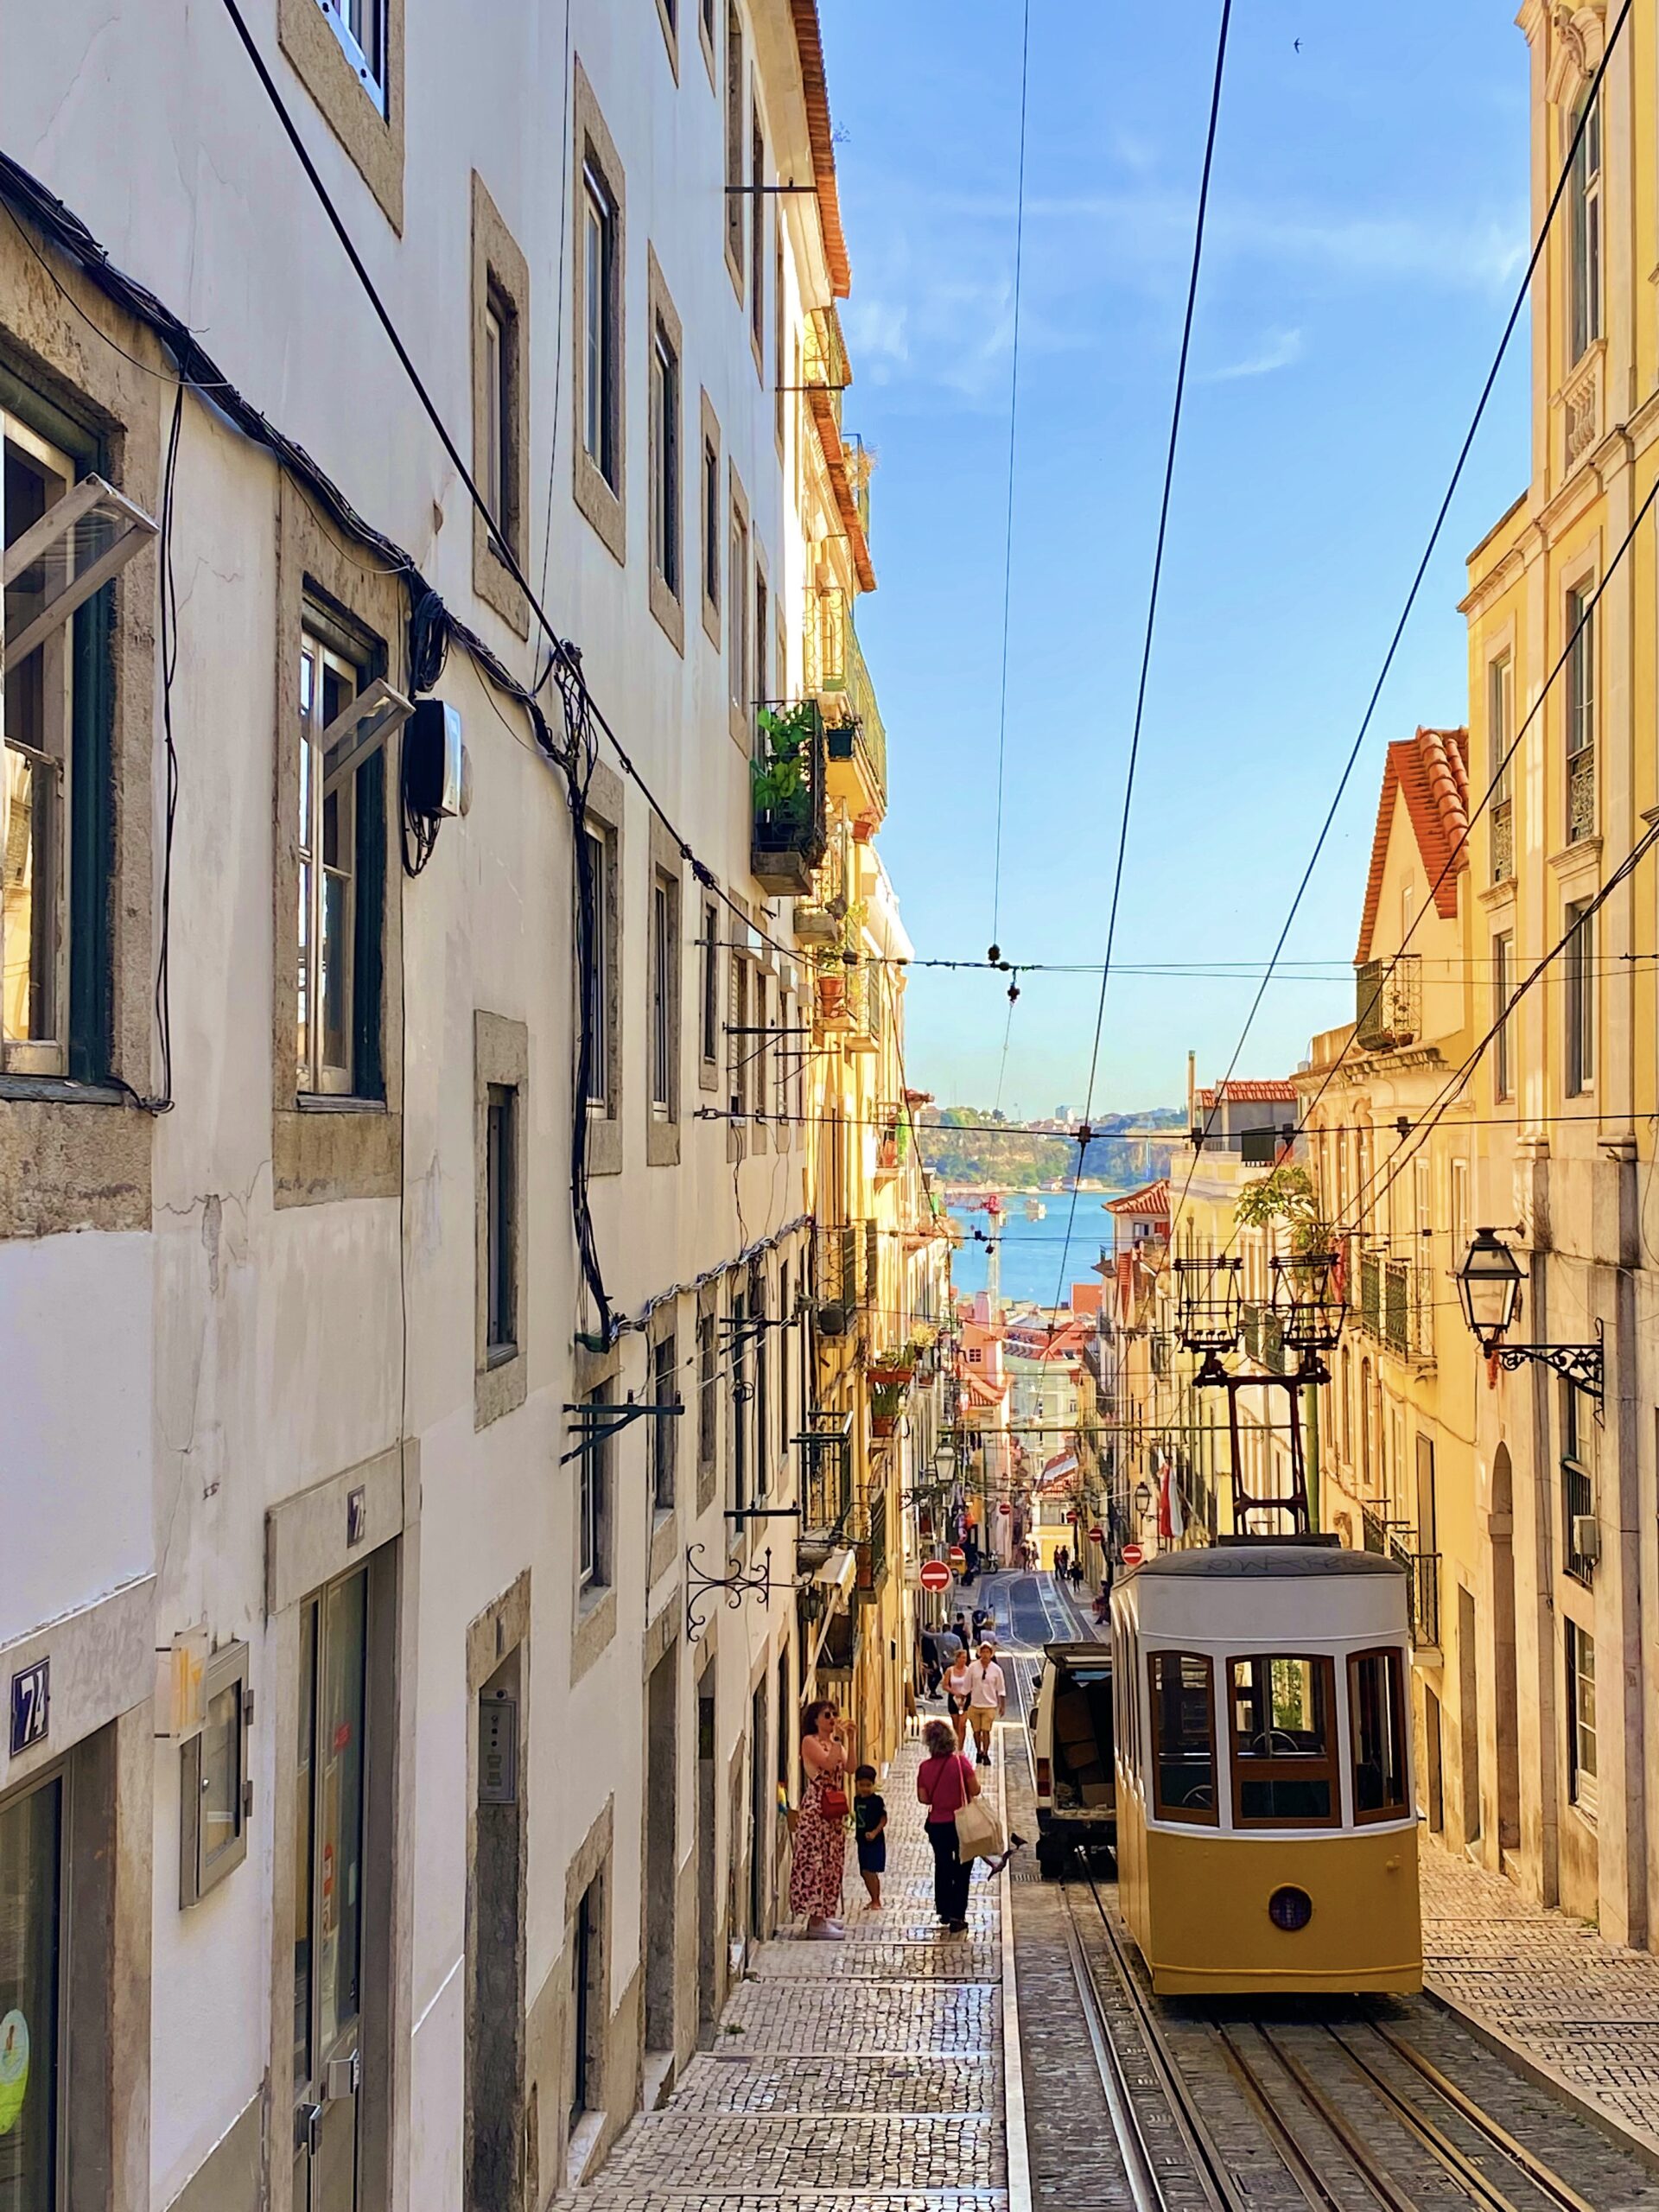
[[820, 1833]]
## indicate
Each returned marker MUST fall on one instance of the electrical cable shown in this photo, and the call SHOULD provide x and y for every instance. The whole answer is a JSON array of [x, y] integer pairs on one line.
[[1008, 540], [1157, 572], [1523, 292]]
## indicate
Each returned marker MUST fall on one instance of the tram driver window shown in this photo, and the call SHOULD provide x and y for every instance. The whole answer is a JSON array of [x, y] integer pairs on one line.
[[1183, 1736], [1284, 1742], [1376, 1704]]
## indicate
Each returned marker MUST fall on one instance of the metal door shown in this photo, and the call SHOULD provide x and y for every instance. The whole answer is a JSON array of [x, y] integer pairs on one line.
[[329, 1820]]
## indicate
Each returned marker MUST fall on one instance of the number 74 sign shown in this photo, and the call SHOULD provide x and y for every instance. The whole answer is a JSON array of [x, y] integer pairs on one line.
[[31, 1698]]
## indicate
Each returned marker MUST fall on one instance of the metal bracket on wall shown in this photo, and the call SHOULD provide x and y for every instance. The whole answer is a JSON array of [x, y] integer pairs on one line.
[[1583, 1365], [593, 1424], [736, 1586]]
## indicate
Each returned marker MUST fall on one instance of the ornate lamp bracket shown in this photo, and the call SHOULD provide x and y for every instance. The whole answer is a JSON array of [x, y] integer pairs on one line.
[[737, 1585], [1581, 1364]]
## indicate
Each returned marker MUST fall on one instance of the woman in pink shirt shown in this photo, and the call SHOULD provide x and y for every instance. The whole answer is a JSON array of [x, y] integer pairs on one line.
[[945, 1780]]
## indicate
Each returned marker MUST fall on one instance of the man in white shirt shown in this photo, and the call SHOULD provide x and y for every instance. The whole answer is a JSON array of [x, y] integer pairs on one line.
[[987, 1698]]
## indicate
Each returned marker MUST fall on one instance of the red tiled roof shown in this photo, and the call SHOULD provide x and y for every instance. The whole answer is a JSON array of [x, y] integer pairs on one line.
[[1244, 1092], [1150, 1199], [815, 89], [821, 406], [1430, 771], [988, 1394]]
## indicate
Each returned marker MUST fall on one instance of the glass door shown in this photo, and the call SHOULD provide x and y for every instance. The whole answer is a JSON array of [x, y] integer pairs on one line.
[[328, 1807], [31, 1951]]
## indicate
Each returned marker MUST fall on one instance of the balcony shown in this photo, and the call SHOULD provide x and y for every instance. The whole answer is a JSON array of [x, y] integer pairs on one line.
[[826, 1487], [1422, 1571], [837, 1280], [1396, 1305], [788, 834], [1580, 1533], [1263, 1337], [1387, 1002], [837, 672]]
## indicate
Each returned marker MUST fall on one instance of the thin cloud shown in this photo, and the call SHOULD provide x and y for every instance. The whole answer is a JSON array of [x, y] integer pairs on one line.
[[1278, 350]]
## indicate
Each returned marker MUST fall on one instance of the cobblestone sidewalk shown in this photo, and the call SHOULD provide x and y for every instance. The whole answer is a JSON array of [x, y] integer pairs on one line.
[[1583, 2011], [866, 2073]]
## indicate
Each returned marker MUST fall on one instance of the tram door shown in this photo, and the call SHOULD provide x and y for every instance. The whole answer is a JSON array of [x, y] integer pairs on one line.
[[328, 1814]]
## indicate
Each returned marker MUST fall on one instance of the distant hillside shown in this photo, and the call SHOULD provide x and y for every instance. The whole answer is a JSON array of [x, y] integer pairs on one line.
[[963, 1144]]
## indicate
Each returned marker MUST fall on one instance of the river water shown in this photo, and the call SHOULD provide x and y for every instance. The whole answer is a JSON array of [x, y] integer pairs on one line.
[[1040, 1264]]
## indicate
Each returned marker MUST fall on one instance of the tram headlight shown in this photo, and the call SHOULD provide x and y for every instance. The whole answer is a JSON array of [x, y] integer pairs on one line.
[[1290, 1908]]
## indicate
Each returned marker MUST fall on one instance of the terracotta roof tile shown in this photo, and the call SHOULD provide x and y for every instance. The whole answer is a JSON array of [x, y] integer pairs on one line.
[[815, 89], [1246, 1091], [1430, 771], [1150, 1199]]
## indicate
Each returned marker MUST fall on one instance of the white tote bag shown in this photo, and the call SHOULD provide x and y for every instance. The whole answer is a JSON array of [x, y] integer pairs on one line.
[[979, 1834]]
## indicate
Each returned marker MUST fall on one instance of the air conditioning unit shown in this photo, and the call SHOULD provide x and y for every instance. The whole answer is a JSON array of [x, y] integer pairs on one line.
[[1587, 1536]]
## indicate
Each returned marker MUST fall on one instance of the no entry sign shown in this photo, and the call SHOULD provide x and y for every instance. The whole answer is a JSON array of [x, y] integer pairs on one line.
[[957, 1557], [1096, 1535], [1133, 1554], [1005, 1507], [936, 1575]]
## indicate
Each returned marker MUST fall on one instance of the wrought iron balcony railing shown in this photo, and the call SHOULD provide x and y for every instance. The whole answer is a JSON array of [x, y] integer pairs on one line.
[[1387, 1002], [1578, 1548], [838, 1279], [838, 672], [788, 834], [1503, 839]]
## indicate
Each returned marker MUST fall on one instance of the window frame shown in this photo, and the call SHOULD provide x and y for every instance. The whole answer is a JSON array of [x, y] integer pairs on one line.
[[319, 1079], [1579, 1001], [1400, 1711], [598, 355], [597, 969], [1187, 1815], [757, 237], [200, 1871], [1585, 1800], [1502, 1073], [1586, 243], [734, 195], [711, 524], [664, 1429], [1579, 700], [501, 1176], [665, 473], [740, 689], [1297, 1767], [595, 1476], [662, 1042], [372, 73], [709, 999]]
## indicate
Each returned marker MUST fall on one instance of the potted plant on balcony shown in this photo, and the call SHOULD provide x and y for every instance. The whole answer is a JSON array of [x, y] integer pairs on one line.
[[783, 795], [886, 1403]]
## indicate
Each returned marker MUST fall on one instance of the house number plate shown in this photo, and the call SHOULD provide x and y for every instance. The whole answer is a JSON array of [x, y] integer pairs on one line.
[[31, 1697]]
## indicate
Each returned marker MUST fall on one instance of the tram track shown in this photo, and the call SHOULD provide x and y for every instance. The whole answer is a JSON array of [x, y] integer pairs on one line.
[[1330, 2114]]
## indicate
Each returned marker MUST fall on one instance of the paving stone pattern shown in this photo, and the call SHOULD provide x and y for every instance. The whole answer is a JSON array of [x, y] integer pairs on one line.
[[1554, 1990], [864, 2073]]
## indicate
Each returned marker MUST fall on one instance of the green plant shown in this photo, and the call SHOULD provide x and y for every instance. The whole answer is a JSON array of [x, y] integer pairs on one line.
[[778, 777], [1286, 1195]]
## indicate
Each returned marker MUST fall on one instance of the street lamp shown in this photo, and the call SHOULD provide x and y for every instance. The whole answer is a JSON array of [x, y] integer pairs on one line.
[[1489, 1290], [1307, 1301]]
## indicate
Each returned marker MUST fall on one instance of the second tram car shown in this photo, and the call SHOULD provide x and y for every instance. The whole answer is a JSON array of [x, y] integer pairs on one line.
[[1266, 1835]]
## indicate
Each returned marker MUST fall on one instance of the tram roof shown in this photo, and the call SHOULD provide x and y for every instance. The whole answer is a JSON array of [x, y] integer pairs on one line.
[[1268, 1563]]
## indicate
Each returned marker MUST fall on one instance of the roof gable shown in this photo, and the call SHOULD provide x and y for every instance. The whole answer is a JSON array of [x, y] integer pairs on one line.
[[1430, 773]]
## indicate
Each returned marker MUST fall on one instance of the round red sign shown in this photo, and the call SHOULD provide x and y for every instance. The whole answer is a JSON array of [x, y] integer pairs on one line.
[[957, 1557], [936, 1575], [1072, 1516], [1096, 1535], [1005, 1507], [1133, 1554]]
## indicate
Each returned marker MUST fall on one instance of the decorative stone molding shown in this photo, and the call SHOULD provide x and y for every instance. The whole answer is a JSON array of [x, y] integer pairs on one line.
[[1578, 40], [1581, 408]]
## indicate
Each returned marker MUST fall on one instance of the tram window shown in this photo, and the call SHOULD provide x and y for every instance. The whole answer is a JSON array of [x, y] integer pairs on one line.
[[1183, 1736], [1377, 1719], [1284, 1742]]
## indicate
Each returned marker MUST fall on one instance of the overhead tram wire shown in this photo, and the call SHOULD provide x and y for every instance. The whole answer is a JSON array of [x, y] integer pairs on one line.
[[1587, 110], [1007, 538], [1152, 597]]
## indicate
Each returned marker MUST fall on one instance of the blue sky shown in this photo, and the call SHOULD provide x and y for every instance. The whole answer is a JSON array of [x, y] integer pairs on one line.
[[1368, 226]]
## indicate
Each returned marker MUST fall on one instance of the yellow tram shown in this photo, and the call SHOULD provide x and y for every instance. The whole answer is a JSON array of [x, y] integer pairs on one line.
[[1266, 1836]]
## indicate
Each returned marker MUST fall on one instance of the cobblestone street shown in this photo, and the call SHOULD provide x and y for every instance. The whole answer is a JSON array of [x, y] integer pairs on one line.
[[1582, 2011], [867, 2072]]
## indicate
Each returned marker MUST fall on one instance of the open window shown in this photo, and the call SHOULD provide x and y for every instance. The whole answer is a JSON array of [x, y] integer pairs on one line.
[[215, 1790], [65, 539], [1377, 1725]]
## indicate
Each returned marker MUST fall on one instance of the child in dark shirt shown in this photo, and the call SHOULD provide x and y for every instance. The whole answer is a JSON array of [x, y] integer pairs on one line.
[[870, 1829]]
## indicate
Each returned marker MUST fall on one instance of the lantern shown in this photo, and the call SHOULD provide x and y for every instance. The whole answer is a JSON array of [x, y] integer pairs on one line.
[[1489, 1288]]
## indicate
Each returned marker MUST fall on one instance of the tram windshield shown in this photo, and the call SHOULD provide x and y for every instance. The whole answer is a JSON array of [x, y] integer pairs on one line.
[[1284, 1752], [1183, 1736], [1377, 1718]]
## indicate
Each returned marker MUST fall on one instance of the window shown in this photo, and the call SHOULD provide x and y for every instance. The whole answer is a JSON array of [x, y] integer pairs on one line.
[[709, 1020], [360, 27], [737, 1041], [711, 527], [760, 1403], [739, 657], [1580, 997], [498, 409], [1377, 1724], [599, 279], [758, 244], [762, 624], [501, 1179], [734, 145], [1500, 737], [778, 326], [1459, 1210], [588, 2005], [707, 1390], [1581, 1719], [664, 1427], [1580, 714], [1502, 984], [341, 882], [1180, 1686], [594, 1499], [595, 891], [665, 457], [213, 1780], [785, 1379], [1284, 1742], [664, 995], [33, 1989], [743, 1394], [1585, 305], [1578, 1487]]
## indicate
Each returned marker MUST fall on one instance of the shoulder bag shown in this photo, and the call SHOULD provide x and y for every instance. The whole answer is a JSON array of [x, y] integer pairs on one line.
[[979, 1833]]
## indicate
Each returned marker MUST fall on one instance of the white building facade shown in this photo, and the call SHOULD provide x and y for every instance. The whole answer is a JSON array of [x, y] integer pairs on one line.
[[389, 1788]]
